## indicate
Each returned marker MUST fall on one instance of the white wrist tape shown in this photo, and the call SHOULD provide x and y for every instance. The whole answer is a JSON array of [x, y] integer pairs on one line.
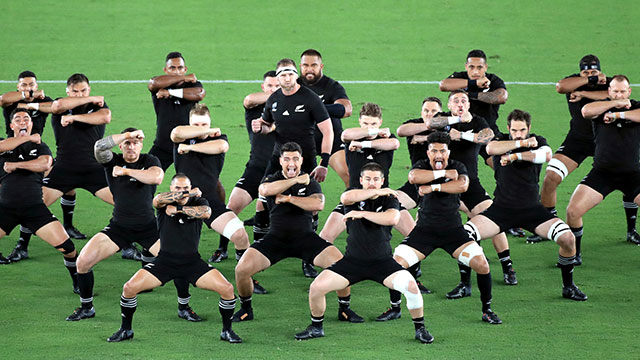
[[518, 144], [374, 132], [541, 154], [436, 187], [34, 106], [437, 174], [366, 144], [519, 156], [622, 115], [453, 119], [467, 135], [179, 93]]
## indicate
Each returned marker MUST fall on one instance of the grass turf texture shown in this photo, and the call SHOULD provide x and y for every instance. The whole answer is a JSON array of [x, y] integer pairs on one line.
[[539, 41]]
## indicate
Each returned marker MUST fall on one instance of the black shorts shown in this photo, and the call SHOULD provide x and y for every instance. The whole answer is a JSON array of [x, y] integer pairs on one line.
[[251, 179], [165, 157], [412, 191], [124, 235], [576, 149], [217, 208], [474, 195], [356, 270], [276, 247], [606, 182], [167, 267], [32, 217], [339, 209], [427, 240], [65, 178], [337, 137], [508, 218]]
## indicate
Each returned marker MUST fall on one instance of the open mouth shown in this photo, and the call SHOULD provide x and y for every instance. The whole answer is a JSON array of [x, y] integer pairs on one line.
[[291, 172], [439, 164], [22, 132]]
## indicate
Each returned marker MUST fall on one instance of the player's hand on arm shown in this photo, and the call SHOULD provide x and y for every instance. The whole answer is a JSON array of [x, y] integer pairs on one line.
[[272, 188], [313, 202], [190, 78], [303, 179], [594, 109], [497, 96], [35, 138], [454, 135], [67, 120], [353, 215], [421, 176], [457, 186], [355, 145], [569, 84], [163, 94], [500, 147], [212, 147], [282, 199], [631, 115], [255, 99], [100, 117], [163, 199], [184, 149], [150, 176], [450, 84], [483, 83], [411, 129], [419, 139], [40, 164], [119, 171], [196, 212]]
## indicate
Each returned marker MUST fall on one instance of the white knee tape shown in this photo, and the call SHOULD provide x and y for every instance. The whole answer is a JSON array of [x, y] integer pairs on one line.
[[407, 253], [232, 226], [401, 283], [557, 229], [472, 230], [469, 253], [558, 167]]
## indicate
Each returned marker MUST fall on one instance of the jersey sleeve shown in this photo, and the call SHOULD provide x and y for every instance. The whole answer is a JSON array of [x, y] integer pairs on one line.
[[43, 149], [420, 165], [111, 163], [391, 202], [479, 123], [314, 187], [199, 201], [496, 83], [266, 113], [318, 111], [339, 92], [459, 75], [461, 168], [541, 141], [151, 160]]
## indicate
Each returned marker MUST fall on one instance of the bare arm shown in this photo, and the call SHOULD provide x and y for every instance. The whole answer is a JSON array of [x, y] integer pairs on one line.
[[497, 96], [450, 84], [252, 100], [100, 117], [538, 156], [348, 109], [150, 176], [411, 129], [44, 107], [13, 142], [504, 146], [597, 108], [421, 176], [452, 187], [379, 144], [196, 212], [212, 147], [277, 187], [67, 103], [327, 135], [163, 199], [389, 217], [631, 115], [356, 195], [164, 81], [313, 202], [41, 164], [591, 95], [569, 84], [13, 97], [481, 137], [185, 132]]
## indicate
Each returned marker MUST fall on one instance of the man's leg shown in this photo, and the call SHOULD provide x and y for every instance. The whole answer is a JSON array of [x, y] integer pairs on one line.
[[54, 234], [251, 263], [97, 249], [333, 227], [584, 198], [631, 213], [325, 283], [338, 163], [407, 257], [139, 282], [402, 281], [215, 281]]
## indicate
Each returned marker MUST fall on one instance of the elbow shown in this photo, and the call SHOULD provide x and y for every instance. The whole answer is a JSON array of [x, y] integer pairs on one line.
[[198, 96], [347, 110], [107, 116], [152, 85], [174, 135], [560, 89], [502, 99], [224, 147], [443, 86], [585, 113], [247, 102], [262, 190], [491, 150], [395, 145], [396, 218], [412, 177], [56, 108]]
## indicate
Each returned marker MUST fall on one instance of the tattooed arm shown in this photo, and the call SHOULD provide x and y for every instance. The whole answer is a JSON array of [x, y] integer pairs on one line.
[[498, 96], [163, 199], [197, 212]]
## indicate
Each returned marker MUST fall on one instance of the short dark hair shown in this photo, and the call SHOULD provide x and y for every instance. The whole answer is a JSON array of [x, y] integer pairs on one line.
[[26, 74], [16, 110], [620, 77], [285, 62], [180, 176], [77, 78], [371, 109], [477, 54], [589, 60], [439, 137], [270, 73], [311, 52], [290, 147], [519, 115], [371, 166], [174, 55], [129, 129], [432, 99], [459, 91]]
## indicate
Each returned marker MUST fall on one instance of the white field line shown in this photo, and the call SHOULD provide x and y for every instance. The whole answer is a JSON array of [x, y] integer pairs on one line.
[[382, 82]]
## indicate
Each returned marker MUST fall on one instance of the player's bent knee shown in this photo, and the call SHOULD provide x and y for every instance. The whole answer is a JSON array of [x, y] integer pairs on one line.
[[469, 252], [406, 252], [129, 289], [557, 168], [234, 229], [480, 265], [401, 282], [67, 247], [560, 232]]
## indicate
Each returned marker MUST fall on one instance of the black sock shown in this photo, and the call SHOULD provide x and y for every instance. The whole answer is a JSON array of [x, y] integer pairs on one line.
[[224, 243], [226, 308], [395, 298], [577, 232], [630, 211], [344, 302], [413, 270], [245, 303], [316, 321], [316, 221], [182, 287], [566, 266], [465, 273], [127, 308], [85, 283], [484, 285], [70, 264], [505, 260], [418, 323], [239, 254], [68, 204], [553, 211], [25, 237], [261, 227]]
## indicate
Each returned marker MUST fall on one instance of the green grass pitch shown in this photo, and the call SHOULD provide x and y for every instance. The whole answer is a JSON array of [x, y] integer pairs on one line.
[[539, 41]]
